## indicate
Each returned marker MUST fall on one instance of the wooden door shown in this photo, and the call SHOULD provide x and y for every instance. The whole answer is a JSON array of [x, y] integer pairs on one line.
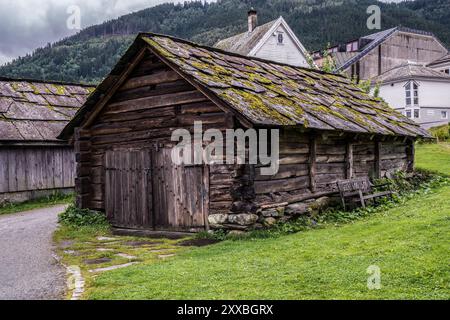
[[128, 188], [180, 194]]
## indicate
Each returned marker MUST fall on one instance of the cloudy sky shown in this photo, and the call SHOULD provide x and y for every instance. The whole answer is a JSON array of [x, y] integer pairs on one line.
[[28, 24]]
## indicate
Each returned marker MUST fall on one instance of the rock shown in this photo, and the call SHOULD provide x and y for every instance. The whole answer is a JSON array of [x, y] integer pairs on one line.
[[275, 212], [321, 204], [269, 213], [297, 209], [106, 239], [217, 219], [258, 226], [243, 219], [269, 221], [126, 256]]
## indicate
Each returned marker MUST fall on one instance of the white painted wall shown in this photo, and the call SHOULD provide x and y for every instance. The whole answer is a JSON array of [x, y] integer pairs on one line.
[[434, 97], [288, 52]]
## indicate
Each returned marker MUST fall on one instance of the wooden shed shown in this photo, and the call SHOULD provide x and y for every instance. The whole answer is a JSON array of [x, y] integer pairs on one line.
[[33, 162], [330, 130]]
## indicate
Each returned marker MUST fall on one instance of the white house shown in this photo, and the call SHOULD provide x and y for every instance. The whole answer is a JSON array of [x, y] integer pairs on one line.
[[419, 92], [274, 40], [441, 64]]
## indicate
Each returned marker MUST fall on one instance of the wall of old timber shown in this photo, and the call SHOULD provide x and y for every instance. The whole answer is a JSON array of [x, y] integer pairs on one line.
[[310, 166], [31, 172]]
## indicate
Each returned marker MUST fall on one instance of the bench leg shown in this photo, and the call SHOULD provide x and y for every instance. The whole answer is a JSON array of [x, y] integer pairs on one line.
[[343, 203], [361, 197]]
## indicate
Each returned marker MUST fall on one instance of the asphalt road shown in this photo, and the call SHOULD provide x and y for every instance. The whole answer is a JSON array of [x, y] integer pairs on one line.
[[28, 269]]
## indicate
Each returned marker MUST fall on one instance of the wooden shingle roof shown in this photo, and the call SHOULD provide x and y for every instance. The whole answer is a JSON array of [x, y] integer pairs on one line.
[[244, 42], [266, 93], [35, 111]]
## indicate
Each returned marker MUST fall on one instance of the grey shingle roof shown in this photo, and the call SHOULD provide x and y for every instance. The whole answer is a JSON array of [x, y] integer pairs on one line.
[[244, 43], [37, 111], [444, 59], [410, 72], [266, 93]]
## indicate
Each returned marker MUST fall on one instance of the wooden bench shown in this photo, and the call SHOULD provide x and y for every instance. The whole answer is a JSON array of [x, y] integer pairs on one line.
[[360, 188]]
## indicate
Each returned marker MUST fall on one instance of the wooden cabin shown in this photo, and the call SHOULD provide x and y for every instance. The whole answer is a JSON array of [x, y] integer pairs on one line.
[[329, 130], [33, 162]]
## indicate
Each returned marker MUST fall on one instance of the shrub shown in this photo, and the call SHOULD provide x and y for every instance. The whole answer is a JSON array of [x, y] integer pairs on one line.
[[76, 217], [442, 133]]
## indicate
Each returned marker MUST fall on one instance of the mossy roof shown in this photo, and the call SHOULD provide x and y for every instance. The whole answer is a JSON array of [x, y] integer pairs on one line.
[[32, 110], [265, 93], [268, 93]]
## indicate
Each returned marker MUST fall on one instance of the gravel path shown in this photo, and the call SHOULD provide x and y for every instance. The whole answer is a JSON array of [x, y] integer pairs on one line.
[[28, 269]]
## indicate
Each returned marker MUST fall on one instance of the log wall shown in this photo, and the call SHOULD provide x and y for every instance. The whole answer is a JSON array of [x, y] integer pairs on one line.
[[152, 103], [312, 164]]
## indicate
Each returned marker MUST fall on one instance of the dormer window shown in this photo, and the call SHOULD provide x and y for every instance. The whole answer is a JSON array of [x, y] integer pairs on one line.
[[280, 37]]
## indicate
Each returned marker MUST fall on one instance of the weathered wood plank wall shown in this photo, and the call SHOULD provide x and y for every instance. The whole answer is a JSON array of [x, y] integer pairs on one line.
[[32, 168], [146, 109]]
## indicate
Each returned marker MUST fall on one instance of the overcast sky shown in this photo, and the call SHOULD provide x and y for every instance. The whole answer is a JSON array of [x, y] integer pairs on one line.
[[28, 24]]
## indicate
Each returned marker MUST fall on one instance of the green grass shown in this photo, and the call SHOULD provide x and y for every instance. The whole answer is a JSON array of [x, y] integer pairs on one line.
[[409, 243], [36, 204], [434, 157]]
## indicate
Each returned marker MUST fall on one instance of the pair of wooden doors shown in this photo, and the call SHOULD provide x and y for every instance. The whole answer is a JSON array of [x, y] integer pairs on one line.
[[144, 189]]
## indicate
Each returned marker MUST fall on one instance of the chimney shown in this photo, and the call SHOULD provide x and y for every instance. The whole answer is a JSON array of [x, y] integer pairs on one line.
[[252, 20]]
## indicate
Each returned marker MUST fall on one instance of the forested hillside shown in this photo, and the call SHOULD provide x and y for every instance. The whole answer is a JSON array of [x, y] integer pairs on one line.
[[89, 55]]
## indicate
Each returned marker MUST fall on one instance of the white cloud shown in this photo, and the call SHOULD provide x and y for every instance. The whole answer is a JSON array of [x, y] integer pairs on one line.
[[28, 24]]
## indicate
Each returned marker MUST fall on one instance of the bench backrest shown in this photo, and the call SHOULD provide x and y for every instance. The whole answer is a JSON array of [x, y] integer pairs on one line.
[[353, 185]]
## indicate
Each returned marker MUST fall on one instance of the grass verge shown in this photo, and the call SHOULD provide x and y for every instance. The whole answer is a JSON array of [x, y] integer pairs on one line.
[[52, 200]]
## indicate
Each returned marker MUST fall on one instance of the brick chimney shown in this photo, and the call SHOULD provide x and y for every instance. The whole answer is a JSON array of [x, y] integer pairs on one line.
[[252, 20]]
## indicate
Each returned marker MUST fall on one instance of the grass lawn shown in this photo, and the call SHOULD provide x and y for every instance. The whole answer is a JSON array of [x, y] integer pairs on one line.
[[410, 244], [36, 204], [434, 157]]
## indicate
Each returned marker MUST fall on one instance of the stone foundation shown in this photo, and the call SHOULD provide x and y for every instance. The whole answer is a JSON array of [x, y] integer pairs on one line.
[[267, 216]]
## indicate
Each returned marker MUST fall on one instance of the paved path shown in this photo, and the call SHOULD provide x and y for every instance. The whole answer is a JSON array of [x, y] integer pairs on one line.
[[28, 269]]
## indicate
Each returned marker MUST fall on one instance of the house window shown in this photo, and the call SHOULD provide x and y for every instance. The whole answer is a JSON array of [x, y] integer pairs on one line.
[[444, 114], [408, 113], [280, 38], [447, 71], [412, 94]]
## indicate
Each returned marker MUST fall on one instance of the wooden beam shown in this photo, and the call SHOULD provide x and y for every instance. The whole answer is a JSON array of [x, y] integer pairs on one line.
[[377, 159], [101, 104], [312, 162], [349, 160], [410, 155], [149, 80]]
